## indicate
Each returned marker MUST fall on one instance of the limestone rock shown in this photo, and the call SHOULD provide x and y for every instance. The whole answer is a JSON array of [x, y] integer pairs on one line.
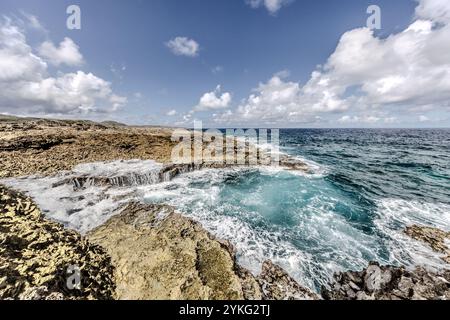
[[389, 283], [35, 255], [434, 237], [159, 254], [45, 147], [276, 284]]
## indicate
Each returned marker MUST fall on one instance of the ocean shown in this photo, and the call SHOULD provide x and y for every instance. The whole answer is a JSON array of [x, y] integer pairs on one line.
[[365, 187]]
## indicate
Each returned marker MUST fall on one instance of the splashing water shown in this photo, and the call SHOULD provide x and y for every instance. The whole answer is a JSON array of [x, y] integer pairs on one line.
[[367, 187]]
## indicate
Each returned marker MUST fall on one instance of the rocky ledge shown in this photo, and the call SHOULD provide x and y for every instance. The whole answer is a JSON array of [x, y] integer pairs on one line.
[[437, 239], [35, 255], [159, 254], [145, 252], [152, 252], [389, 283]]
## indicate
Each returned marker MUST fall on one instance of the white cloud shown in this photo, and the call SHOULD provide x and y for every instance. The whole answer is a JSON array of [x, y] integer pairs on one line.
[[436, 10], [66, 53], [33, 21], [118, 70], [403, 73], [423, 118], [271, 5], [182, 46], [214, 100], [172, 113], [217, 69], [27, 88]]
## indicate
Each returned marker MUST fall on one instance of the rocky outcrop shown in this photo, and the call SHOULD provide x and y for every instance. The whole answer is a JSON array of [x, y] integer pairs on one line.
[[36, 254], [276, 284], [389, 283], [159, 254], [24, 143], [434, 237], [46, 147]]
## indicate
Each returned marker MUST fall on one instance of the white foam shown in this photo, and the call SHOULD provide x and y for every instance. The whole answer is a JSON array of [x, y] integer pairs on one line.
[[85, 208], [394, 215], [332, 243], [330, 233]]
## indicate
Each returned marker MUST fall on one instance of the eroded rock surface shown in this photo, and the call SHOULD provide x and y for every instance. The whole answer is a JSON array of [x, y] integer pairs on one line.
[[389, 283], [29, 147], [45, 147], [276, 284], [35, 255], [434, 237], [159, 254]]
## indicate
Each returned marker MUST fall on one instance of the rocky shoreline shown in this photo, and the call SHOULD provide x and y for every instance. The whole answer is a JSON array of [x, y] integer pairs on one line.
[[389, 283], [35, 255], [150, 251]]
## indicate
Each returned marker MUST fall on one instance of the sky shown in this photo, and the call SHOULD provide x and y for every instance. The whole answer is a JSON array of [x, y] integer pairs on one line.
[[228, 63]]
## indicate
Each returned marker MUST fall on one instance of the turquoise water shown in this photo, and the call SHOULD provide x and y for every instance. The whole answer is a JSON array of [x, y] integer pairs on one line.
[[368, 185]]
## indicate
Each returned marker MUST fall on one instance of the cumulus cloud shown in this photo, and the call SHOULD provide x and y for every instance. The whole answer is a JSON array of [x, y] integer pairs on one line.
[[271, 5], [27, 87], [436, 10], [405, 72], [214, 100], [172, 113], [33, 21], [182, 46], [66, 53], [366, 119], [217, 69]]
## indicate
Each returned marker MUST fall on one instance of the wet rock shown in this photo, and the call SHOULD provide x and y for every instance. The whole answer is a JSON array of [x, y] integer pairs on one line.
[[35, 255], [373, 278], [390, 283], [159, 254], [276, 284], [434, 237]]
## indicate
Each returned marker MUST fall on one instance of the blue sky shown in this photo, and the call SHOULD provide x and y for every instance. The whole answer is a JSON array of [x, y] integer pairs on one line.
[[244, 52]]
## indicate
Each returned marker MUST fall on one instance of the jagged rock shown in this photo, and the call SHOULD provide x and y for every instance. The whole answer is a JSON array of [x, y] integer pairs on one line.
[[390, 283], [276, 284], [40, 293], [40, 146], [29, 147], [434, 237], [24, 143], [35, 255], [160, 254]]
